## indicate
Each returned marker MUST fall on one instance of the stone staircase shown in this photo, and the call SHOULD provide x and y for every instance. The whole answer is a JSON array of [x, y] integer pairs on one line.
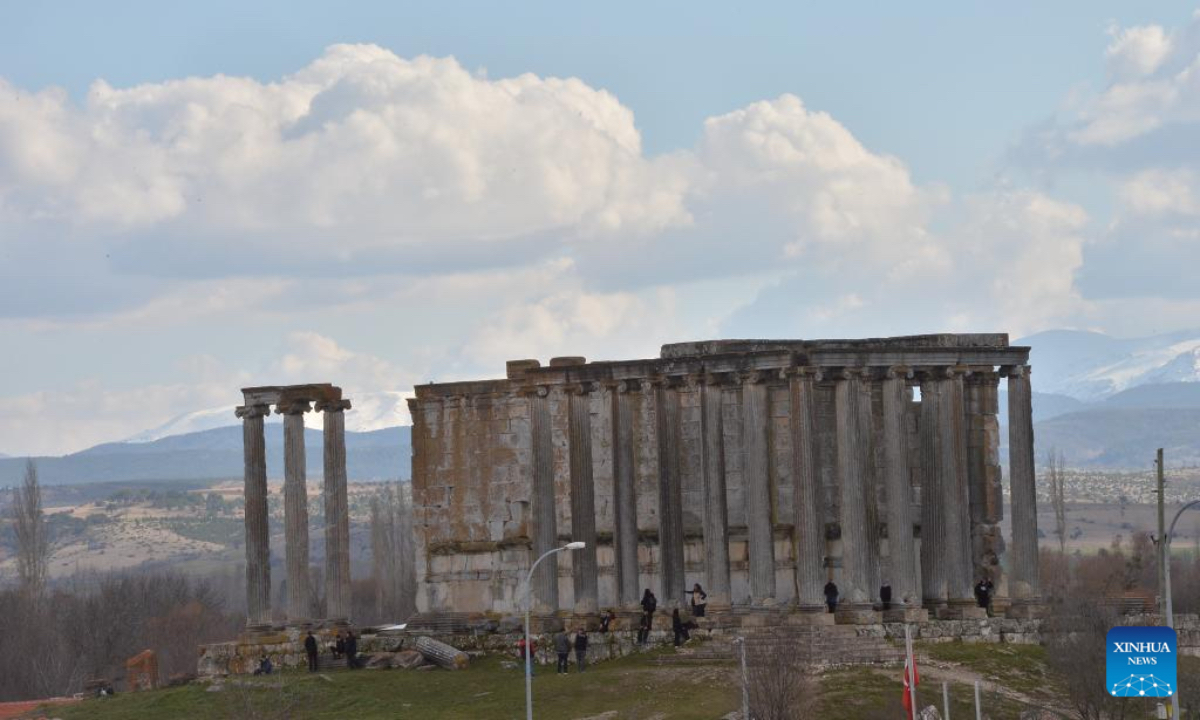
[[809, 645]]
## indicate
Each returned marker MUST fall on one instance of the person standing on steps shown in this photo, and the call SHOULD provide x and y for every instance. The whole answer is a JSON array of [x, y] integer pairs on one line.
[[310, 649], [562, 646], [885, 596], [698, 600], [351, 650], [581, 644], [831, 596], [680, 628], [644, 628]]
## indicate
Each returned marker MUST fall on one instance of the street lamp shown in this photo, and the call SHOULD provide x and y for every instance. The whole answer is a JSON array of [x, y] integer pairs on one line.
[[575, 545], [1166, 540]]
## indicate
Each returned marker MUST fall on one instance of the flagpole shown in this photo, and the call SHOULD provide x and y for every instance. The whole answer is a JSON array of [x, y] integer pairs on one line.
[[912, 668]]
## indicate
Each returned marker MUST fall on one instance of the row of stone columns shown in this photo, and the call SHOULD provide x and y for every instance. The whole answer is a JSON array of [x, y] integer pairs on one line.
[[946, 568], [295, 499]]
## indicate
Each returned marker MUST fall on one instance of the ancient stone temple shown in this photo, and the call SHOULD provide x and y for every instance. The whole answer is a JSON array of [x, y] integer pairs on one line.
[[292, 402], [760, 469]]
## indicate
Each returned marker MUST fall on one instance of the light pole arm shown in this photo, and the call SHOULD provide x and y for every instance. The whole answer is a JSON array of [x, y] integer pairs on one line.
[[1176, 519]]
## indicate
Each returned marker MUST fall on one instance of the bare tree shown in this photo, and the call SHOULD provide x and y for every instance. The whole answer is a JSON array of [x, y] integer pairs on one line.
[[392, 552], [1056, 466], [33, 548], [777, 679]]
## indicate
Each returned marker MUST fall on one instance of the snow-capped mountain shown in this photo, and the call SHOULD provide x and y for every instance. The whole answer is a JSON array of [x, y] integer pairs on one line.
[[1092, 366], [369, 411]]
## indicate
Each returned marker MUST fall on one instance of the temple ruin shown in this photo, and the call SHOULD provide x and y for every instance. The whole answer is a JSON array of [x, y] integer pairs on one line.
[[758, 468], [292, 402]]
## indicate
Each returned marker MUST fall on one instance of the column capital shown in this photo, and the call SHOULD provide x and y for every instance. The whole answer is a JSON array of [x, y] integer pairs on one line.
[[532, 390], [582, 387], [332, 405], [247, 412], [850, 373], [898, 371], [754, 377], [1015, 370], [293, 407]]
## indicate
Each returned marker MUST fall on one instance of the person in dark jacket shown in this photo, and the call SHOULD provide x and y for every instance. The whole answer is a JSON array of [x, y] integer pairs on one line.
[[885, 596], [562, 646], [310, 649], [581, 643], [351, 650], [644, 628], [649, 602], [831, 596], [680, 628], [983, 593], [698, 600], [606, 620]]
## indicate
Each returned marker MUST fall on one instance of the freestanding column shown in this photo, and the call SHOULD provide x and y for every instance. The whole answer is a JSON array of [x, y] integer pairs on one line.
[[1024, 581], [809, 529], [544, 586], [716, 511], [295, 508], [625, 495], [933, 520], [851, 473], [953, 430], [583, 500], [906, 586], [337, 511], [670, 495], [258, 534], [760, 521]]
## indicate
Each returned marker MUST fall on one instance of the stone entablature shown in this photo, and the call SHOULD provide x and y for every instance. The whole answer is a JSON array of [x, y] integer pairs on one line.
[[758, 468]]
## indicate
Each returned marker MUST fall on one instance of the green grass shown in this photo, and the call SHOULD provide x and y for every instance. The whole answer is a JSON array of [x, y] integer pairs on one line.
[[1019, 667], [634, 687]]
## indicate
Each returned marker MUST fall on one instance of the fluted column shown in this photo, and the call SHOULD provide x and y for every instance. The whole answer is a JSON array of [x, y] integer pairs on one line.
[[258, 532], [544, 585], [1023, 580], [337, 511], [295, 508], [809, 528], [906, 586], [670, 494], [983, 469], [953, 431], [852, 474], [933, 527], [760, 520], [584, 568], [625, 495], [716, 510]]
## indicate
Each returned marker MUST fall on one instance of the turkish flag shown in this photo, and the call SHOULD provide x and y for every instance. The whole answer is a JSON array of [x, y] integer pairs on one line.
[[916, 679]]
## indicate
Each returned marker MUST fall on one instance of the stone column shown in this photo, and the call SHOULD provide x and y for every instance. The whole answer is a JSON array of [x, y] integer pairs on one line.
[[625, 535], [670, 495], [984, 473], [852, 458], [544, 584], [760, 516], [933, 528], [1023, 577], [716, 511], [953, 431], [809, 528], [906, 585], [337, 511], [258, 533], [584, 568], [295, 509]]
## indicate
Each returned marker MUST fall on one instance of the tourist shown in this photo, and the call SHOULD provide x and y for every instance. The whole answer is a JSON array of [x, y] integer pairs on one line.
[[351, 650], [831, 596], [698, 600], [562, 646], [521, 651], [983, 593], [606, 620], [310, 649], [339, 647], [649, 602], [264, 666], [681, 629], [644, 627], [581, 643], [885, 596]]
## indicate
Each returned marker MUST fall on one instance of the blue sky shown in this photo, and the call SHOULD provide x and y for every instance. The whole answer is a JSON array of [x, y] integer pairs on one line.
[[315, 200]]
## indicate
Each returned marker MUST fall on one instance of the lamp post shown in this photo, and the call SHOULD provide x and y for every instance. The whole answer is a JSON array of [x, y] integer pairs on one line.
[[576, 545], [1166, 541]]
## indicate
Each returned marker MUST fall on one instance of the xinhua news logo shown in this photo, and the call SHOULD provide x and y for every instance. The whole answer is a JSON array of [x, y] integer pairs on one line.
[[1141, 661]]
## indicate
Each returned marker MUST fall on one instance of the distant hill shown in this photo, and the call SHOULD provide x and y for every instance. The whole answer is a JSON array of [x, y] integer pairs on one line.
[[216, 454], [1122, 437]]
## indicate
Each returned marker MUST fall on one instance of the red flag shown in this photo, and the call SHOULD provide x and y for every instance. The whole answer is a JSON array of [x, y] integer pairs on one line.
[[916, 679]]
